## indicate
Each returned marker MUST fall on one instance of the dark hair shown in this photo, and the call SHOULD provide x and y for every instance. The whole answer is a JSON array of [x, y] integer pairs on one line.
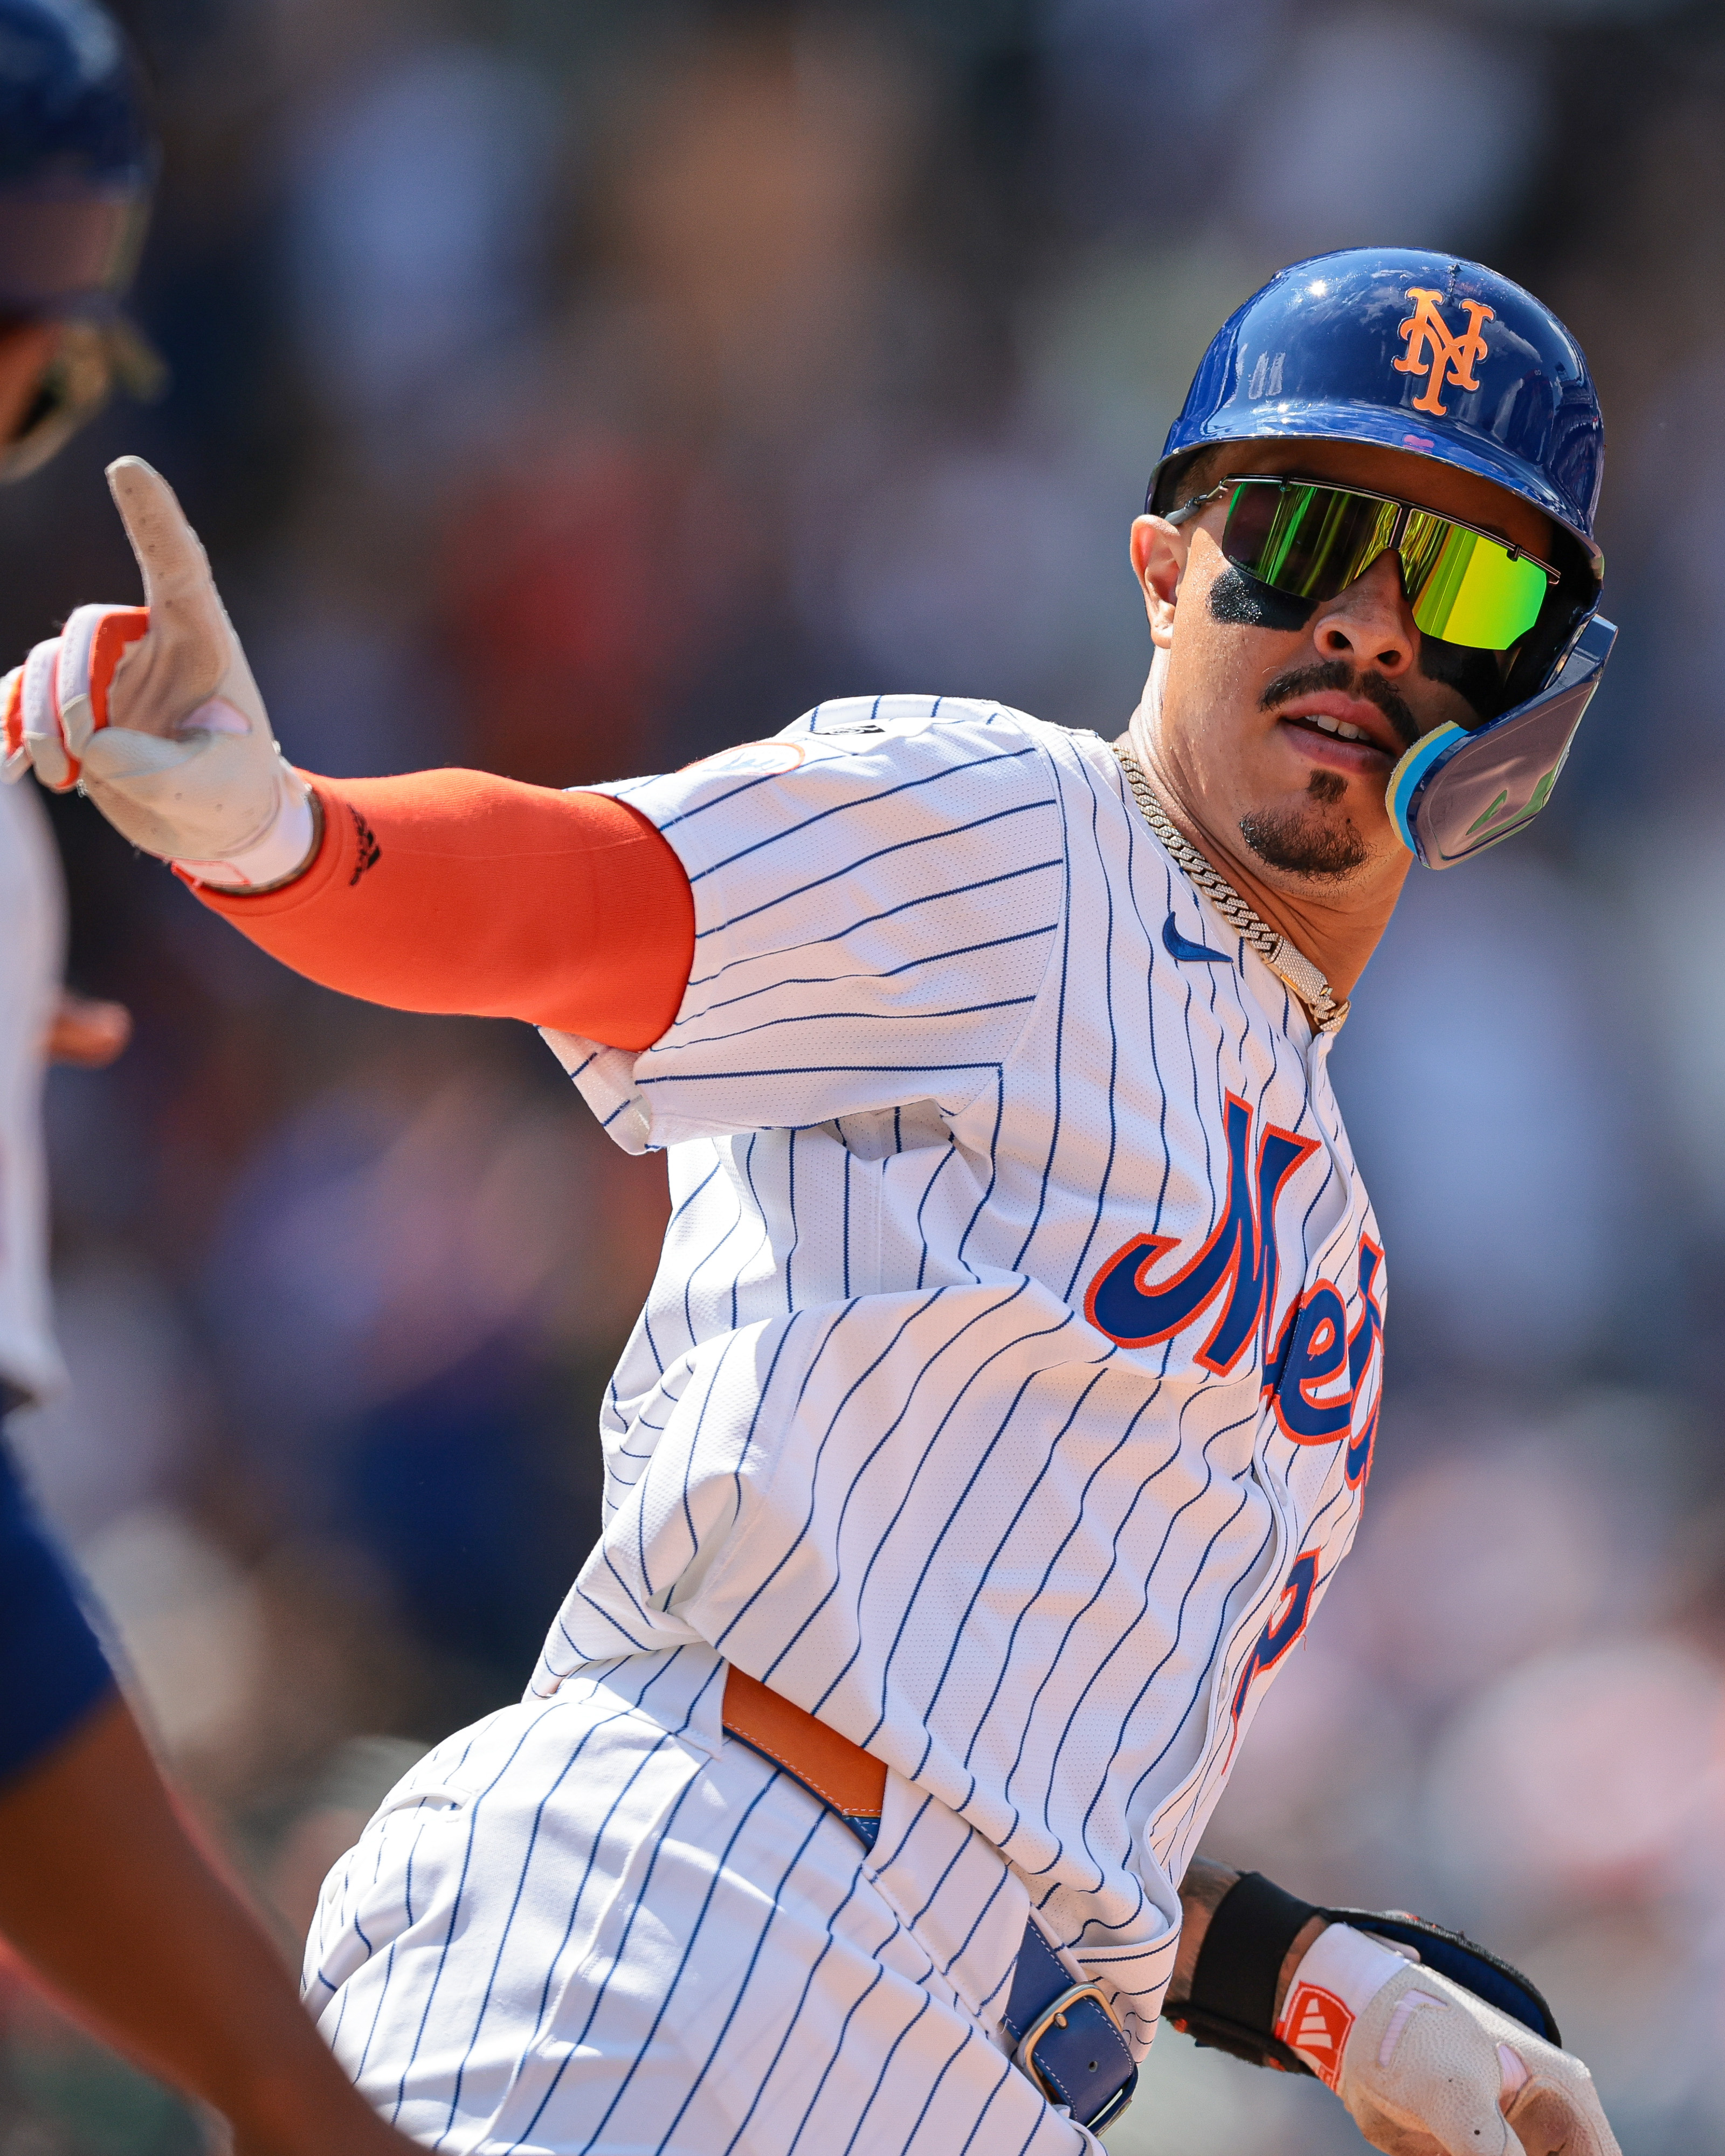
[[1191, 476]]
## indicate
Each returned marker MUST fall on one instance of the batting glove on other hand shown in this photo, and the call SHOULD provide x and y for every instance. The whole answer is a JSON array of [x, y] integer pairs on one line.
[[1427, 2068], [152, 711]]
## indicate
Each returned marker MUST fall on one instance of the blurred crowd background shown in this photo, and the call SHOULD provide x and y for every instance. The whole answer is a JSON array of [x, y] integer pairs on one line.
[[570, 387]]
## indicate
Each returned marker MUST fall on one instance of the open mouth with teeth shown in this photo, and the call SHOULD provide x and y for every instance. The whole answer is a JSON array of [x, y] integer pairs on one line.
[[1339, 727], [1351, 745]]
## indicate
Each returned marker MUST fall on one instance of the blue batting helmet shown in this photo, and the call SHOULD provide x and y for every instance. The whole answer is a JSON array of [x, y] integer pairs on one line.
[[77, 158], [77, 164], [1439, 358]]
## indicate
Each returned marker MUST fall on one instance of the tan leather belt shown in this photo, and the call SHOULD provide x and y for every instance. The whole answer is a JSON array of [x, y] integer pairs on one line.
[[847, 1779]]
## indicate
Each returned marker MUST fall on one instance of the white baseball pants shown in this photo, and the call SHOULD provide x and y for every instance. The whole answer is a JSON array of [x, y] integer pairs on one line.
[[595, 1923]]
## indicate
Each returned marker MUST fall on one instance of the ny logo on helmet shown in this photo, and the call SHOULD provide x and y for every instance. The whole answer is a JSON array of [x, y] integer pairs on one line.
[[1434, 351]]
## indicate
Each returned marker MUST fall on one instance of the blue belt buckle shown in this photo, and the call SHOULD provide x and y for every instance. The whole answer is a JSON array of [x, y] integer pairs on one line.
[[1054, 2016], [1069, 2022], [1041, 1999]]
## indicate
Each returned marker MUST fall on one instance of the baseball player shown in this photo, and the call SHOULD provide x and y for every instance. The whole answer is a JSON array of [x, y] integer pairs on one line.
[[1006, 1397], [101, 1889]]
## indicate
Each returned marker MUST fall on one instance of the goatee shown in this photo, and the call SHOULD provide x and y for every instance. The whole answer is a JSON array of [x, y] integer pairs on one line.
[[1306, 843]]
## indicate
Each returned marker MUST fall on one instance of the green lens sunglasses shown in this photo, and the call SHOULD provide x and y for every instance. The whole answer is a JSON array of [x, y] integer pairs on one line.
[[1310, 541]]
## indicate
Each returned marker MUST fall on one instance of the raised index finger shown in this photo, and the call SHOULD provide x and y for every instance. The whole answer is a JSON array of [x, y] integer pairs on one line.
[[176, 569], [184, 658]]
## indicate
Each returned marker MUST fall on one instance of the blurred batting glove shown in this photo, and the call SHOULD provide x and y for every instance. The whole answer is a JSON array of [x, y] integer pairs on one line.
[[152, 711], [1427, 2068]]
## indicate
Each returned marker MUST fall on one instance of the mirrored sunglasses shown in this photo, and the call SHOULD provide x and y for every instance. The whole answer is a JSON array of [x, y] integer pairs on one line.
[[1463, 585]]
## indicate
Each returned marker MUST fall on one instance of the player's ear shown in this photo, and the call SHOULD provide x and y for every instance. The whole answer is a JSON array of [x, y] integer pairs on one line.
[[1158, 552]]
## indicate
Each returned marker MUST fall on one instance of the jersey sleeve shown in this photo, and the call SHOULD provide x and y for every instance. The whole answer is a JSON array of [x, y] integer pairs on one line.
[[877, 890]]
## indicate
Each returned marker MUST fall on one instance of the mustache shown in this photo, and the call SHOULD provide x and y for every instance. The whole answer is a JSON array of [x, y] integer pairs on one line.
[[1337, 675]]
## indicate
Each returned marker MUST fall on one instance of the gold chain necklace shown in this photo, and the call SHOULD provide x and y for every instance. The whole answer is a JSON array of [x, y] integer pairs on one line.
[[1279, 955]]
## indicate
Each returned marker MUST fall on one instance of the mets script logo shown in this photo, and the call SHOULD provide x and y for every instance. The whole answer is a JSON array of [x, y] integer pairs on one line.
[[1234, 1272], [1436, 352], [1316, 1373], [1318, 1370]]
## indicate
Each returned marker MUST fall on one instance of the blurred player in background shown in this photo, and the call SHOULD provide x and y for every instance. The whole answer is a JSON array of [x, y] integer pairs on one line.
[[101, 1889]]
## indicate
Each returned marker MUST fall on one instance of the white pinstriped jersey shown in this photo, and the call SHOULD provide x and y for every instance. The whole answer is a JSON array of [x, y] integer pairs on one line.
[[1007, 1388]]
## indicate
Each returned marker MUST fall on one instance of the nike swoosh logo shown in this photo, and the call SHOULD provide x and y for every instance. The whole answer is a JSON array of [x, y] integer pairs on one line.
[[1178, 947]]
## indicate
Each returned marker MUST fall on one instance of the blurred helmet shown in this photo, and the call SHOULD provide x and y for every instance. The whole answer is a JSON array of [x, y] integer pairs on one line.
[[1439, 358], [77, 161]]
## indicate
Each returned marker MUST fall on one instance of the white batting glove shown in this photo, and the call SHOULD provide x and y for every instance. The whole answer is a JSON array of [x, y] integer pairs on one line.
[[152, 711], [1424, 2066]]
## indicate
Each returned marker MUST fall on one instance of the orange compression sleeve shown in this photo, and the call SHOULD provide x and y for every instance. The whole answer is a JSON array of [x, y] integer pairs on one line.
[[454, 891]]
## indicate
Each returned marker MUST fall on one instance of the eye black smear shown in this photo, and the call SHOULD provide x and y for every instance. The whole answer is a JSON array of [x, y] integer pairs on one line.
[[1241, 600]]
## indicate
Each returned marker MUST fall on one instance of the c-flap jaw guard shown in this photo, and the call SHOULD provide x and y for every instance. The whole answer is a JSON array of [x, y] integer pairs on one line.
[[1454, 793]]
